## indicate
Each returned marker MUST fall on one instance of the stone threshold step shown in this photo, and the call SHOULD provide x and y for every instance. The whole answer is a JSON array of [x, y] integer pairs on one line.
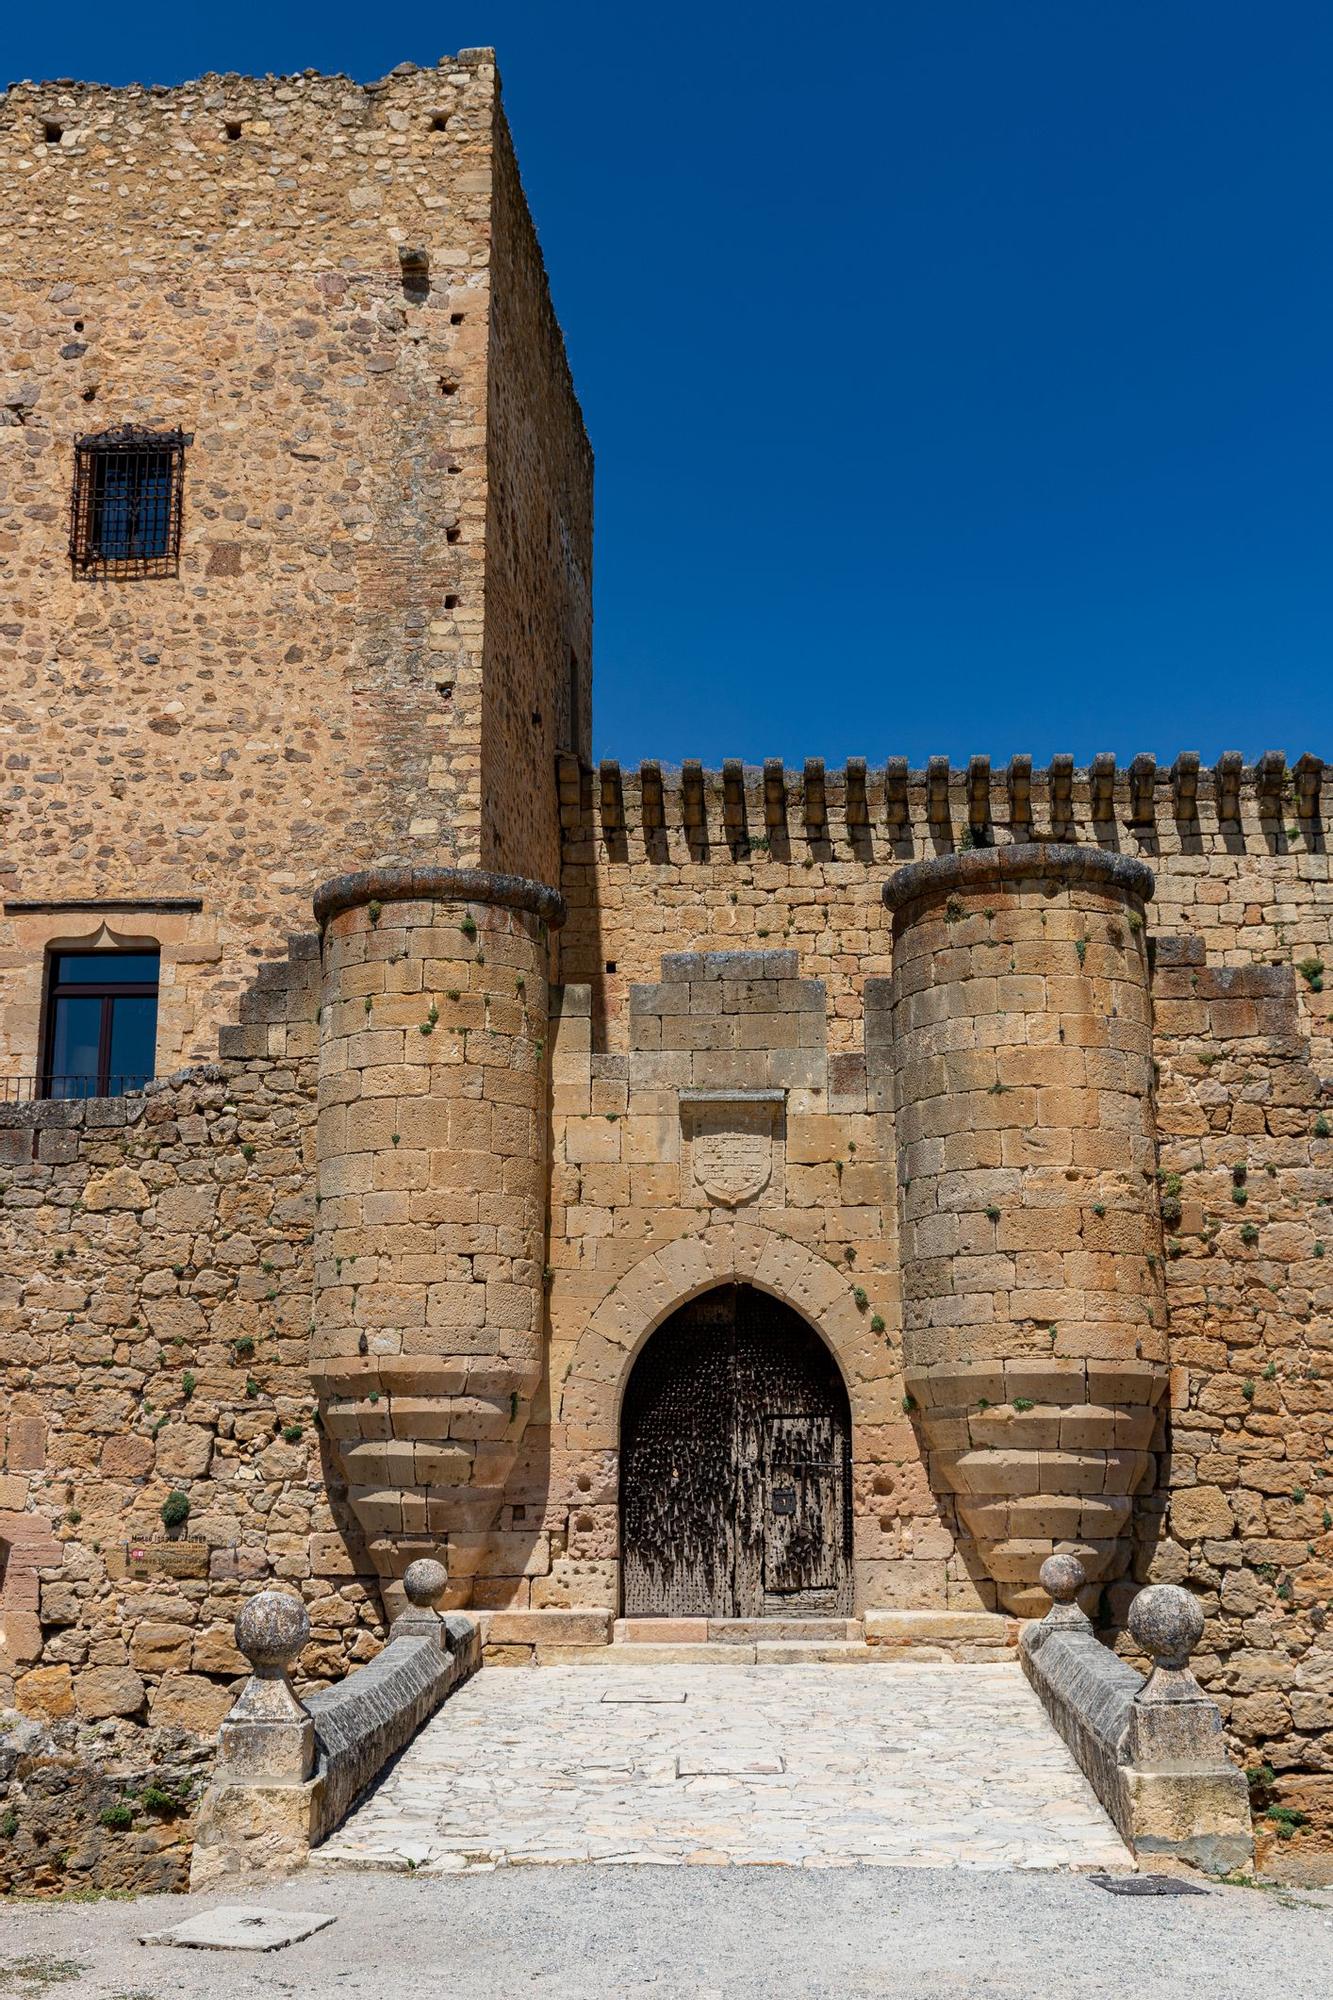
[[775, 1653], [772, 1653], [731, 1631], [514, 1638]]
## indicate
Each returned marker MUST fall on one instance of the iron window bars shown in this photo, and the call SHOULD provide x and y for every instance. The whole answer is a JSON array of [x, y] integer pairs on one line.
[[126, 511]]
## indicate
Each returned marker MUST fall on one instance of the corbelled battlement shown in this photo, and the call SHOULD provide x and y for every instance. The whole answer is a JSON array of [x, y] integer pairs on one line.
[[750, 805]]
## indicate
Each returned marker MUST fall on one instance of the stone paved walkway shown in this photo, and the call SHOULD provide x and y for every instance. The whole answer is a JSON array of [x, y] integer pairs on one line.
[[812, 1766]]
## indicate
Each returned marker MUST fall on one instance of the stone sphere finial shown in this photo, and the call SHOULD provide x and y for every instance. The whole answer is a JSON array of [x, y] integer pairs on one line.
[[1167, 1622], [423, 1582], [1062, 1578], [271, 1628]]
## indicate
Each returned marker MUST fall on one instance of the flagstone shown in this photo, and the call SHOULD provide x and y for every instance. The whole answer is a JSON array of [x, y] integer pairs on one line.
[[809, 1765]]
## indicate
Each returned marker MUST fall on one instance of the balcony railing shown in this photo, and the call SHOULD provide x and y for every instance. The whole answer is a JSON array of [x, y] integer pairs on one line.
[[66, 1089]]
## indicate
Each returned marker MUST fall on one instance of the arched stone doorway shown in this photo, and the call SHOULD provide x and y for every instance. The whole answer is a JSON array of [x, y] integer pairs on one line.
[[735, 1466]]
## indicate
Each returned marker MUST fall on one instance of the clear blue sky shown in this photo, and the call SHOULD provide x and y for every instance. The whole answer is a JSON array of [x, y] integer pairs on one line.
[[958, 370]]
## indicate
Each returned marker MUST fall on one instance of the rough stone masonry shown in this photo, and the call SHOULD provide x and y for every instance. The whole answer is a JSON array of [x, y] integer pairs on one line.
[[474, 1064]]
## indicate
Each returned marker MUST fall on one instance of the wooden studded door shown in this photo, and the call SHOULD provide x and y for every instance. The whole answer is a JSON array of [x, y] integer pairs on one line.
[[800, 1494], [735, 1466]]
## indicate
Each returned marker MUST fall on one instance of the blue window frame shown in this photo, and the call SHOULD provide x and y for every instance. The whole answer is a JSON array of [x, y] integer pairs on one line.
[[126, 513], [101, 1023]]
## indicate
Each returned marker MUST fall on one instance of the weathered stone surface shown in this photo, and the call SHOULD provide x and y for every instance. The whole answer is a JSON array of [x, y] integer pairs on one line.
[[245, 1830], [45, 1691], [271, 1628], [101, 1691], [1062, 1578], [1154, 1752], [240, 1927], [546, 1628], [126, 1457], [660, 1631], [424, 1583], [1046, 1228], [184, 1451], [596, 1762], [947, 1629], [160, 1648], [105, 1810], [121, 1188], [189, 1701], [1167, 1622], [1201, 1513]]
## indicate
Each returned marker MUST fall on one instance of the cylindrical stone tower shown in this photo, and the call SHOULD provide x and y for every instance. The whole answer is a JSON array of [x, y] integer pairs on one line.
[[1034, 1316], [432, 1186]]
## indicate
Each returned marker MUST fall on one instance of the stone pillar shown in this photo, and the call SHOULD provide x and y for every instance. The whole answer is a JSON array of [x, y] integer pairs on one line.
[[1188, 1799], [424, 1584], [432, 1182], [1063, 1578], [1153, 1750], [267, 1737], [1034, 1315], [258, 1814]]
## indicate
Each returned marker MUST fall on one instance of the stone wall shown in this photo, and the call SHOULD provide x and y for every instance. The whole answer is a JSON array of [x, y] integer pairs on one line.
[[1239, 1503], [160, 1260], [1244, 1515], [306, 695], [638, 1226], [156, 1321], [658, 860], [537, 666]]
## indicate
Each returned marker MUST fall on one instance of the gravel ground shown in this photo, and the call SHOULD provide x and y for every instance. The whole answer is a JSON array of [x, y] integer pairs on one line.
[[697, 1934]]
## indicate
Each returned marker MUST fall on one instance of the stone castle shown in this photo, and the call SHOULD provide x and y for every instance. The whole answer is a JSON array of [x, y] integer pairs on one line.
[[757, 1194]]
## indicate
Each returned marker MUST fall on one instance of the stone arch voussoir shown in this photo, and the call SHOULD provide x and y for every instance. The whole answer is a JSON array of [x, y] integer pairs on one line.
[[668, 1278]]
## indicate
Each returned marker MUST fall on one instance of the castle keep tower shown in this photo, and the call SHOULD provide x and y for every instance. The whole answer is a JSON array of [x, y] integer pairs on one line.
[[296, 562], [322, 598]]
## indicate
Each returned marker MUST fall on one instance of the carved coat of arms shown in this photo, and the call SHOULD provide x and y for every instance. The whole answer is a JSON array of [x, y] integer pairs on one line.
[[731, 1148]]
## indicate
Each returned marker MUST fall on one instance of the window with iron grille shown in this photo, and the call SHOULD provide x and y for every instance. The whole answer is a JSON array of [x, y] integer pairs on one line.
[[126, 518]]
